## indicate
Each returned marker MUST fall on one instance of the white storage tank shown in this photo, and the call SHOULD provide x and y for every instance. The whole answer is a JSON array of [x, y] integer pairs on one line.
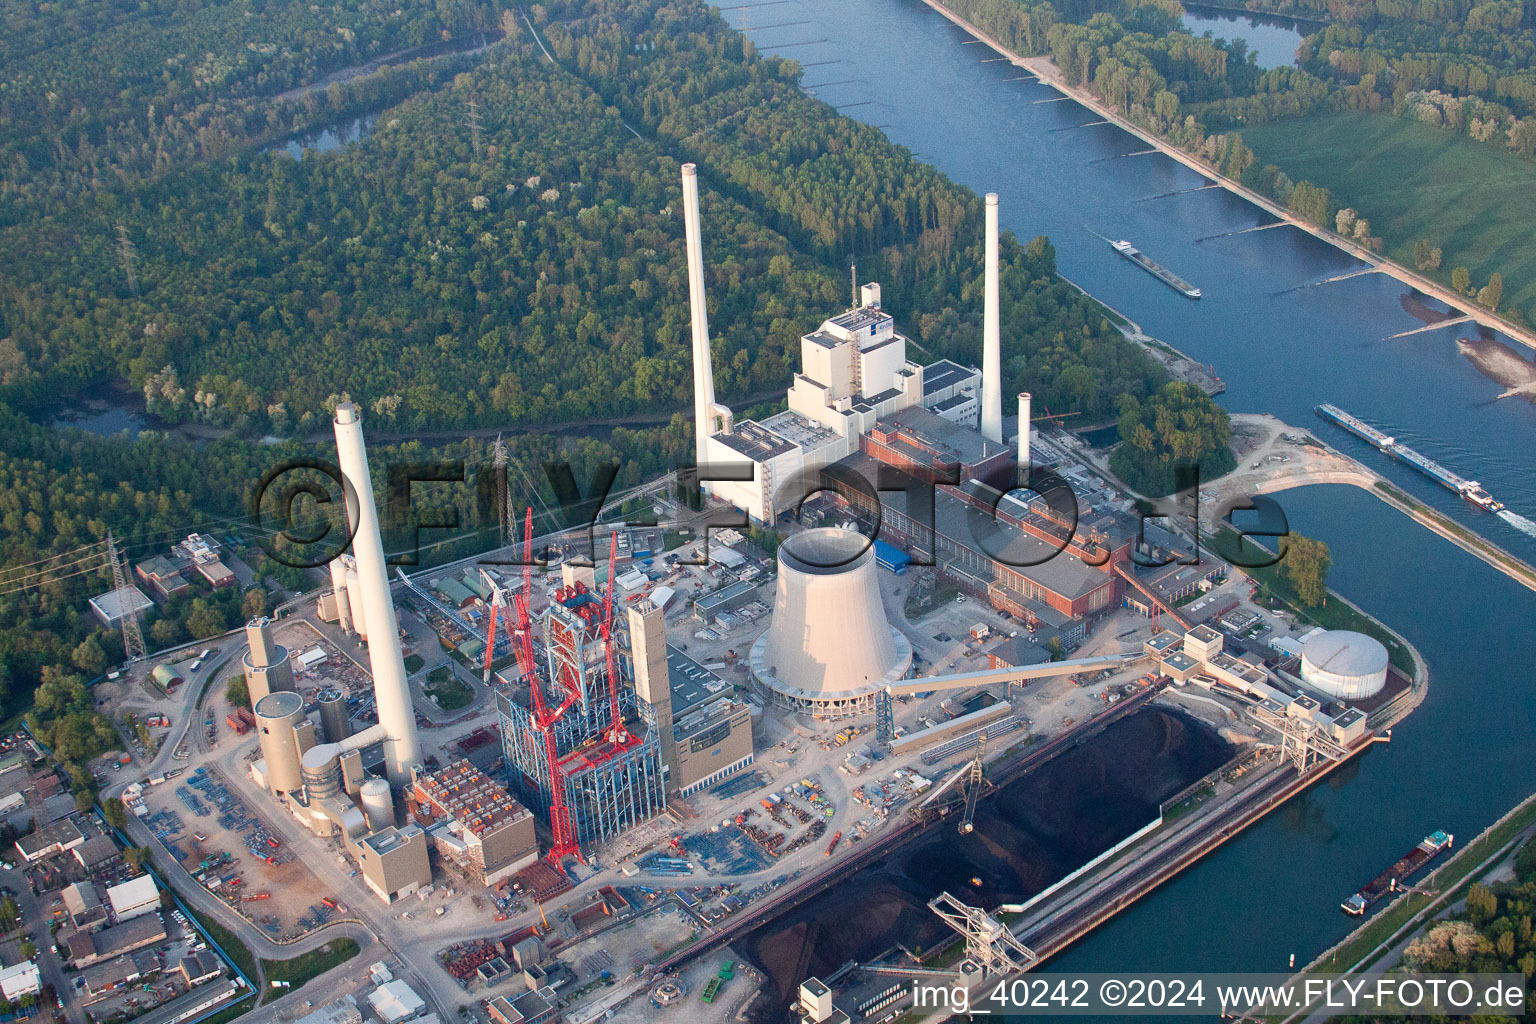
[[1344, 664], [378, 805]]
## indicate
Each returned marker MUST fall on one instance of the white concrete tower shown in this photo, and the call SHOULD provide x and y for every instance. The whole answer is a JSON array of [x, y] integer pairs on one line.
[[703, 370], [991, 338], [1026, 434], [339, 585], [402, 747]]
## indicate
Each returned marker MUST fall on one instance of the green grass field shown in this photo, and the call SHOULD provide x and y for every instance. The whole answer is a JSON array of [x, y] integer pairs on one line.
[[306, 966], [1473, 200]]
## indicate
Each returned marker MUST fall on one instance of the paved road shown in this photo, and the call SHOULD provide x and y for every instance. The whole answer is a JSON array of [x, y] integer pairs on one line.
[[35, 920]]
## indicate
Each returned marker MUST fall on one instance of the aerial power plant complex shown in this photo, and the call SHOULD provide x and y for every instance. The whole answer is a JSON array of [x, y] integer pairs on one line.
[[626, 719]]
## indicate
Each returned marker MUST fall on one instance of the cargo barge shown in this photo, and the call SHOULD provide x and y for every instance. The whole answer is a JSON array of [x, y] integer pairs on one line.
[[1157, 270], [1433, 845], [1468, 489]]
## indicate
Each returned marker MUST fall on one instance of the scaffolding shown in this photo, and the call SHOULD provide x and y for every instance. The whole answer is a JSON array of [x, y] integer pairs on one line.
[[612, 778], [609, 787]]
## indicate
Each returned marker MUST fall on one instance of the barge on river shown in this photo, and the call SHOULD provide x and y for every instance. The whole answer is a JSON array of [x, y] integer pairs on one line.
[[1469, 489], [1156, 269], [1433, 845]]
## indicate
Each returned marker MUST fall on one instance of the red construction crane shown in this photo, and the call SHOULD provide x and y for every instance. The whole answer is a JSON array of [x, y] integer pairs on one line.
[[496, 610], [616, 733], [561, 824]]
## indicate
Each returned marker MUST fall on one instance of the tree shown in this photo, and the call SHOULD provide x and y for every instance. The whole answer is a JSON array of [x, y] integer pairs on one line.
[[1177, 427], [89, 657], [254, 603], [1345, 222], [236, 692], [1492, 293], [116, 814], [204, 620], [1461, 280], [1305, 562], [136, 856], [28, 949], [1424, 256], [10, 913]]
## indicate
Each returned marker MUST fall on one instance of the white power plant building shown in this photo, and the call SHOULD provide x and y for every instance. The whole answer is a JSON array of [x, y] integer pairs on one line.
[[853, 370], [829, 649]]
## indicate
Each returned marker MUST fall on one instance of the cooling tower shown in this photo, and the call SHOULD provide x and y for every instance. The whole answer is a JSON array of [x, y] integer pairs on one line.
[[829, 648], [402, 747]]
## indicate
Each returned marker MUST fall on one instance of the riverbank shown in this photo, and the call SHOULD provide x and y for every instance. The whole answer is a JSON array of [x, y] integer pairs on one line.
[[1277, 463], [1409, 912], [1048, 74]]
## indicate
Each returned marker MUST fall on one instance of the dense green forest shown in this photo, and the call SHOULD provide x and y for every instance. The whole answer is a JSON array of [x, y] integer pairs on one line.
[[1176, 426], [504, 250]]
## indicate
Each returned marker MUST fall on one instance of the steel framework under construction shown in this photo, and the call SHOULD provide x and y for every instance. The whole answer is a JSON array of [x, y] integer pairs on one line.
[[591, 766]]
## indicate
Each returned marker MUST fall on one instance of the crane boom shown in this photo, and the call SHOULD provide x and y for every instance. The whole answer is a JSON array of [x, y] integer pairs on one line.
[[616, 733]]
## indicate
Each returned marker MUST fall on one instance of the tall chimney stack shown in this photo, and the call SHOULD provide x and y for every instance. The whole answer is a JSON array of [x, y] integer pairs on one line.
[[991, 339], [703, 371], [1025, 435], [402, 747]]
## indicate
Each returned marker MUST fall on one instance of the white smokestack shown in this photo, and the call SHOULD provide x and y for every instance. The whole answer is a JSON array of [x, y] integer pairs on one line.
[[402, 747], [703, 371], [1025, 434], [991, 338]]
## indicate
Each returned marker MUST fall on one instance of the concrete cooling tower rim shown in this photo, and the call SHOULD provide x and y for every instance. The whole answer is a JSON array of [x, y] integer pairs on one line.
[[825, 551]]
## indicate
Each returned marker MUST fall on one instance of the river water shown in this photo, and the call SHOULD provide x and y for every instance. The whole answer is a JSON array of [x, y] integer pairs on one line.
[[1284, 342]]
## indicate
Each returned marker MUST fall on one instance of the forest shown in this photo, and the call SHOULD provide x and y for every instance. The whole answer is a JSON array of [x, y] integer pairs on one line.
[[504, 250]]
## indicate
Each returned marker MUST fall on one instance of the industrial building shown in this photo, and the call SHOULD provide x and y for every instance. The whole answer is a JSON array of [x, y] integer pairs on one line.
[[610, 772], [1199, 657], [394, 861], [474, 822], [321, 775], [114, 606], [857, 410], [710, 734], [853, 371], [134, 898], [829, 648], [953, 392]]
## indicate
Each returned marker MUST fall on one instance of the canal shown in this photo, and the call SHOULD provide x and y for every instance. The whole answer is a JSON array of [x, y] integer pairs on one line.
[[1283, 341]]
